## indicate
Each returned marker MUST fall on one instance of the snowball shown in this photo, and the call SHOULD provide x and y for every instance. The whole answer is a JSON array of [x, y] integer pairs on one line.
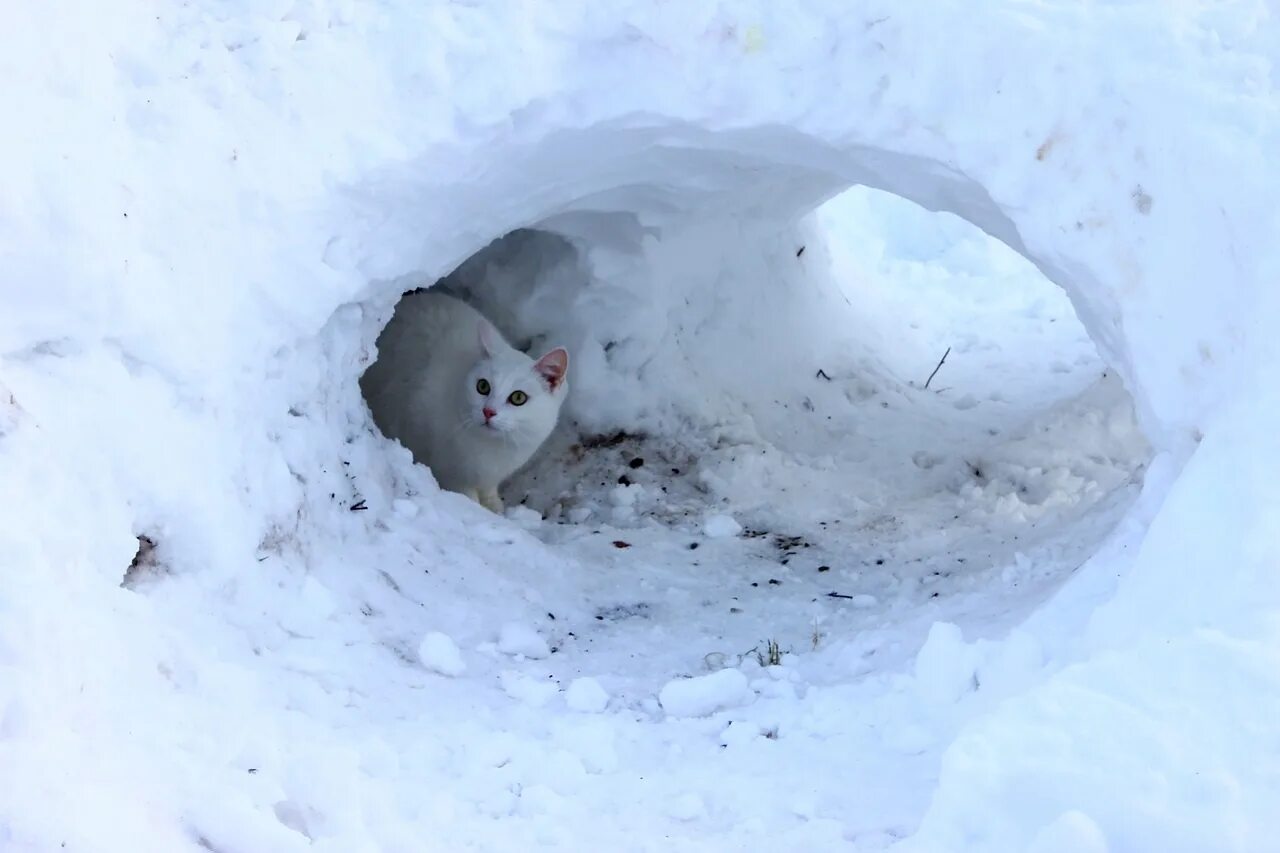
[[439, 653], [586, 695], [524, 516], [519, 639], [721, 527], [625, 496], [705, 694], [945, 666]]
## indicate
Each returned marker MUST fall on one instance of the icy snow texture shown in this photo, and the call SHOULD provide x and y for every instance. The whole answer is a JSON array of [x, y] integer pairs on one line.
[[207, 213]]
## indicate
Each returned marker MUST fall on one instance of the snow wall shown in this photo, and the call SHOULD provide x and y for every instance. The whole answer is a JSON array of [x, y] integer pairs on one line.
[[208, 213]]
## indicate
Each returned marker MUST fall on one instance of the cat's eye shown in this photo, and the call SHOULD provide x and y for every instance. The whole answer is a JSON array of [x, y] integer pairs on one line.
[[518, 398], [483, 387]]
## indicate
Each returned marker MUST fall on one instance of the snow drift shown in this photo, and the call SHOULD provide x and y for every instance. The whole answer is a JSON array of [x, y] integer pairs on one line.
[[209, 212]]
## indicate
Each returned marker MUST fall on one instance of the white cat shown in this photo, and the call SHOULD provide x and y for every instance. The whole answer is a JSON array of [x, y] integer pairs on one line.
[[463, 400]]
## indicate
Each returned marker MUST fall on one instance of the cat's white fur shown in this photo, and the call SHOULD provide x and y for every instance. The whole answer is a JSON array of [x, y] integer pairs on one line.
[[423, 391]]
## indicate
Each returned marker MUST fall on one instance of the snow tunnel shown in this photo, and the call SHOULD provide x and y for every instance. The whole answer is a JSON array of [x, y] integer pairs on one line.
[[792, 393], [209, 215]]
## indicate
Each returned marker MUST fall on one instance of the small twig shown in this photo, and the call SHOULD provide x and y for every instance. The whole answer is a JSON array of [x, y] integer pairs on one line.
[[838, 595], [822, 374], [358, 506], [941, 362]]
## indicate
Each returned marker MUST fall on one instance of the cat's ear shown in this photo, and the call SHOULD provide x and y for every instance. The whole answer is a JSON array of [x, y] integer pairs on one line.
[[484, 334], [553, 366]]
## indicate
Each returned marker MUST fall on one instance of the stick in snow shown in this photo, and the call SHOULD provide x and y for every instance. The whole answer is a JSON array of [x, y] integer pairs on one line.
[[941, 362]]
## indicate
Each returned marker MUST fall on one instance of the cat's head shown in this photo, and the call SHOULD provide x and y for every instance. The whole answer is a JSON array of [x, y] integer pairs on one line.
[[512, 394]]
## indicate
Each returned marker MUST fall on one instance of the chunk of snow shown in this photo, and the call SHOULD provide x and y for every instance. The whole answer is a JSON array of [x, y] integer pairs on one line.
[[439, 653], [705, 694], [534, 692], [945, 665], [721, 526], [625, 495], [516, 638], [525, 517], [586, 695]]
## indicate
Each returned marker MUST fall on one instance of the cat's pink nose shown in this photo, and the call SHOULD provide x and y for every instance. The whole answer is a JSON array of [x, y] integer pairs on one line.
[[488, 414]]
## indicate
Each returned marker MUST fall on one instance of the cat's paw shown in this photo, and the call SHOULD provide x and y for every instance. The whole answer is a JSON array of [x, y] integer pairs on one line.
[[490, 500]]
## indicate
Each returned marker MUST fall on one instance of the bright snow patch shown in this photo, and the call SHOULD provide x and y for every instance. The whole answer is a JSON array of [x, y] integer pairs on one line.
[[721, 526], [705, 694]]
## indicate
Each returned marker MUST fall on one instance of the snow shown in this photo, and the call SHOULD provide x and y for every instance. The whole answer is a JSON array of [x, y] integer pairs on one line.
[[703, 695], [586, 695], [721, 526], [945, 665], [519, 639], [1026, 603], [1071, 832], [439, 653]]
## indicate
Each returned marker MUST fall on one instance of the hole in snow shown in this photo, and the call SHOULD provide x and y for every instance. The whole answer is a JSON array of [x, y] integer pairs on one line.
[[761, 421]]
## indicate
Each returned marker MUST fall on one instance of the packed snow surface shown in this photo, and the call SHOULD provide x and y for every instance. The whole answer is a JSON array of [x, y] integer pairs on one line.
[[865, 527]]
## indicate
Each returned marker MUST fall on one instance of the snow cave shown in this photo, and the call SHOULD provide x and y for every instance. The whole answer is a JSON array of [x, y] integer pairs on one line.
[[753, 411], [916, 490]]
